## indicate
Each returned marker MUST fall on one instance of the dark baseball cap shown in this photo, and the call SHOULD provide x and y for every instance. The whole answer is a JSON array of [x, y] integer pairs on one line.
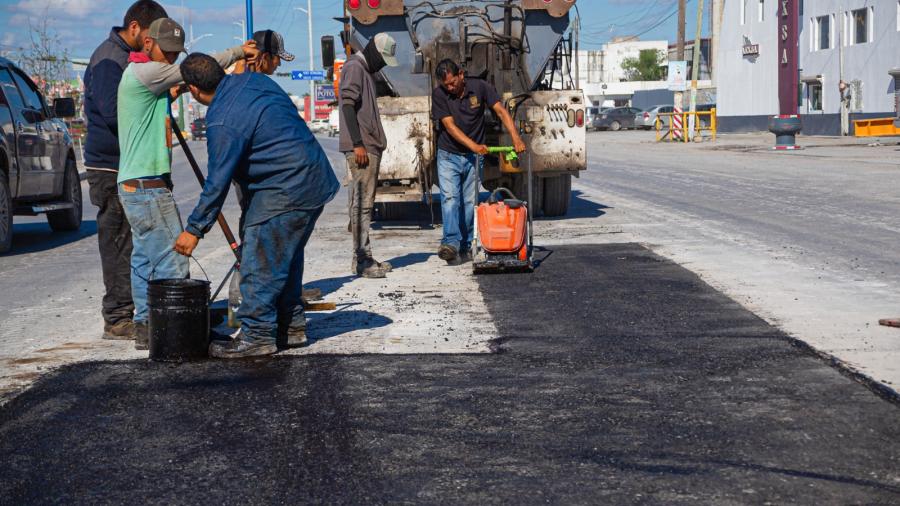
[[168, 34], [271, 42]]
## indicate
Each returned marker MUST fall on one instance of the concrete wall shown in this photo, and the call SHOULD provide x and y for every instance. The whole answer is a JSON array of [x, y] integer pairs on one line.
[[868, 62], [747, 86]]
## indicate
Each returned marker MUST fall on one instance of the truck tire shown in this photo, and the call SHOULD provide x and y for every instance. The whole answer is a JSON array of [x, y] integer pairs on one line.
[[6, 215], [520, 190], [68, 219], [557, 194]]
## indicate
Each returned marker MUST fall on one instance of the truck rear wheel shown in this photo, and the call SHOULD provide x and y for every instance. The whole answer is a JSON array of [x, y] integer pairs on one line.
[[68, 219], [6, 215], [557, 193], [520, 190]]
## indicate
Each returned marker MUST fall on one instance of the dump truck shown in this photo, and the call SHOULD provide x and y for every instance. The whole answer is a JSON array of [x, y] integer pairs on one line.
[[524, 48]]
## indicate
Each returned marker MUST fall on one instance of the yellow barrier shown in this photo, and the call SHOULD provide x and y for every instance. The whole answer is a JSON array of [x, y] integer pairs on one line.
[[698, 125], [877, 127]]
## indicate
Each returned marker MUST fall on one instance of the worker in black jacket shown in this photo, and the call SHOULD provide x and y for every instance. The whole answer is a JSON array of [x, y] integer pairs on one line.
[[101, 160], [362, 141]]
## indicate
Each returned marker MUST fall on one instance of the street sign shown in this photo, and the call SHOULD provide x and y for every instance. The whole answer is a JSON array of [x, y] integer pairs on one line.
[[307, 75], [677, 76], [325, 93]]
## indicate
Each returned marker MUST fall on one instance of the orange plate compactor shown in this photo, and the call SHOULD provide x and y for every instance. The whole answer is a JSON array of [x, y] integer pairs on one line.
[[503, 229]]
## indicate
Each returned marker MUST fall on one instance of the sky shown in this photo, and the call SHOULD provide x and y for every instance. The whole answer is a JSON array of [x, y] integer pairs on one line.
[[83, 24]]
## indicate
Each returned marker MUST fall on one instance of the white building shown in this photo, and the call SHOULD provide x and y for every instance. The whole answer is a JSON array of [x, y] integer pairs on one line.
[[857, 41], [601, 74], [854, 40]]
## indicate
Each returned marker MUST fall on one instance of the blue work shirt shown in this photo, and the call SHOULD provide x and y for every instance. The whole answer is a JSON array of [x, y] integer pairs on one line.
[[256, 137]]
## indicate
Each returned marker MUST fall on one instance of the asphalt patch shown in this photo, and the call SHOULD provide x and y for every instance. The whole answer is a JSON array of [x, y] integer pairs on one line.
[[621, 378]]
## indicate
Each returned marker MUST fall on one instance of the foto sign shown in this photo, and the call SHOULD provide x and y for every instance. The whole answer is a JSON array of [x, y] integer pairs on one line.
[[677, 80], [325, 93], [307, 75]]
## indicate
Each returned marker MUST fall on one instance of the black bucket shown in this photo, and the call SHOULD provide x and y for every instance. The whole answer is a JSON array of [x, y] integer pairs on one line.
[[179, 319]]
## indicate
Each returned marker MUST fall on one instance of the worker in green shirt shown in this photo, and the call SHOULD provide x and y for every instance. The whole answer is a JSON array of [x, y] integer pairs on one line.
[[145, 143]]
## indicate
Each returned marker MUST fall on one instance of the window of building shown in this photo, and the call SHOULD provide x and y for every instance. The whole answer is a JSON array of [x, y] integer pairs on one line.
[[743, 12], [814, 96], [822, 33], [859, 26]]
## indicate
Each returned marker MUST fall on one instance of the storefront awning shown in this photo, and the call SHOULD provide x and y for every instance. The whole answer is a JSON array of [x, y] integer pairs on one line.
[[817, 78]]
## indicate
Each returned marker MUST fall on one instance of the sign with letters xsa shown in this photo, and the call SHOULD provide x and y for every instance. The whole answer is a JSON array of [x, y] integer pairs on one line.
[[788, 77]]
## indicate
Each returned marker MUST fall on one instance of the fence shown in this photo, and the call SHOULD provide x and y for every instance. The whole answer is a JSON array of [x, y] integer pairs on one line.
[[665, 130]]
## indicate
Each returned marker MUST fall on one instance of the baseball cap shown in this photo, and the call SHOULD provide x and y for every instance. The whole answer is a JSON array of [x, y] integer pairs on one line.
[[168, 34], [271, 42], [386, 45]]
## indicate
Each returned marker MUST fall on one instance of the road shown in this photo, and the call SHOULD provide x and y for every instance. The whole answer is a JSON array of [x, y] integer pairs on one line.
[[661, 353], [807, 240]]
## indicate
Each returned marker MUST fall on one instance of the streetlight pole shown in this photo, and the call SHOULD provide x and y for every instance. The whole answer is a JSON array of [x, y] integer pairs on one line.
[[249, 26], [312, 84]]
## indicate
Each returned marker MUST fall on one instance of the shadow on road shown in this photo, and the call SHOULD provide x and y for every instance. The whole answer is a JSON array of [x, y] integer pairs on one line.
[[580, 207], [36, 237], [325, 325]]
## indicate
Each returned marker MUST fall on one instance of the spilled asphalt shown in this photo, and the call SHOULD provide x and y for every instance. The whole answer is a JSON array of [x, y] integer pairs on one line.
[[621, 378]]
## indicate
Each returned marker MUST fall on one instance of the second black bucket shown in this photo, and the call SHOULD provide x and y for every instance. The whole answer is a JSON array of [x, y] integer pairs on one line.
[[179, 319]]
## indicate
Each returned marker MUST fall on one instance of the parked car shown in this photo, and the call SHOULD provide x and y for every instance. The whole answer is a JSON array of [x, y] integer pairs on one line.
[[616, 119], [37, 161], [334, 122], [647, 119], [591, 113], [198, 128], [318, 126]]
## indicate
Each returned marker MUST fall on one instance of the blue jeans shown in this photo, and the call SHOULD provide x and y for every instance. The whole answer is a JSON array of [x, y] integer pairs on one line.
[[272, 274], [458, 179], [155, 225]]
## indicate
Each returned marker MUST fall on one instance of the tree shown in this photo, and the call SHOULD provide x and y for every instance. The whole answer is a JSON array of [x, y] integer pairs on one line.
[[44, 59], [646, 67]]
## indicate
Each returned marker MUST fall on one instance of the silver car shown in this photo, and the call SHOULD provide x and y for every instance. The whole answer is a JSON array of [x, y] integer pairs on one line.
[[647, 119]]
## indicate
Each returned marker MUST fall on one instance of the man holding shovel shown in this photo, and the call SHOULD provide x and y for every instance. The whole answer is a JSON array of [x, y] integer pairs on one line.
[[256, 138]]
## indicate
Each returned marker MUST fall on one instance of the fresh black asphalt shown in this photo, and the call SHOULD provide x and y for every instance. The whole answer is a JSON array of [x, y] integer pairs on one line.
[[621, 379]]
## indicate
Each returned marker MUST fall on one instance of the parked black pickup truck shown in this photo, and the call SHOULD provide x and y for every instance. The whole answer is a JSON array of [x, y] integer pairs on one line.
[[37, 162]]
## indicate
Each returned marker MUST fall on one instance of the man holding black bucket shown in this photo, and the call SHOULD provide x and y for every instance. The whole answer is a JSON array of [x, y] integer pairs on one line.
[[145, 143], [256, 138]]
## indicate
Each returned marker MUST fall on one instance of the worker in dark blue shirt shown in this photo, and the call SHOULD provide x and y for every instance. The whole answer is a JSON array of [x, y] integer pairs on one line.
[[256, 138]]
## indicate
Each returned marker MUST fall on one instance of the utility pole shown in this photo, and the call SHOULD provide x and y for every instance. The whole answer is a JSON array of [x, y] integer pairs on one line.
[[715, 24], [844, 104], [682, 6], [695, 67], [678, 99], [312, 65], [249, 25]]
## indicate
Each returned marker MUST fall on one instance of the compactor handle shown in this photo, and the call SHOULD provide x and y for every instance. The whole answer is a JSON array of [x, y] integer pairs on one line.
[[508, 152]]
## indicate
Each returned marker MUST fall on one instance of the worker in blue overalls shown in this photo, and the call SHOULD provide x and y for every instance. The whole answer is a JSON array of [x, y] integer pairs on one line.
[[256, 138]]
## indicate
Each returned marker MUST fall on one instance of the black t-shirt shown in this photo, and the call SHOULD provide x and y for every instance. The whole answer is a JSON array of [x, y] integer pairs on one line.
[[467, 112]]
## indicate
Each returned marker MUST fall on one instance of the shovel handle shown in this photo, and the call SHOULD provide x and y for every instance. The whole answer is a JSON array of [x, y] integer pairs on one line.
[[229, 236]]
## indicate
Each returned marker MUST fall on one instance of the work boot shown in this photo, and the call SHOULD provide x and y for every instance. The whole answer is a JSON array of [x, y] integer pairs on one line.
[[141, 336], [369, 268], [122, 330], [239, 348], [448, 253], [291, 338]]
